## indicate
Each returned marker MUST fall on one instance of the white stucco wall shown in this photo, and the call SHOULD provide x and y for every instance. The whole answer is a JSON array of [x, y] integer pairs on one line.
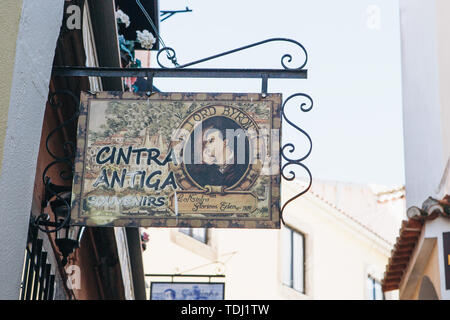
[[443, 35], [425, 30], [339, 255], [423, 78], [38, 31]]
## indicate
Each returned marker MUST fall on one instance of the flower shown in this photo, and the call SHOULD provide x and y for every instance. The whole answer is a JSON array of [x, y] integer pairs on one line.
[[146, 39], [145, 237], [122, 17]]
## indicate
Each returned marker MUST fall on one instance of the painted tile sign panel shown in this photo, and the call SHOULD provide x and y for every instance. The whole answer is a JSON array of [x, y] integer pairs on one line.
[[187, 291], [178, 160]]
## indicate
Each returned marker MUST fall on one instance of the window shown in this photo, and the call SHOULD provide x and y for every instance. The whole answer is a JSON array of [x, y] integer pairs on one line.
[[374, 291], [293, 259], [196, 233]]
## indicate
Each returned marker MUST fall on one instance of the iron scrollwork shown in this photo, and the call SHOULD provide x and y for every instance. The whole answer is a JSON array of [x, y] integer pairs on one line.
[[58, 196], [287, 151], [286, 58]]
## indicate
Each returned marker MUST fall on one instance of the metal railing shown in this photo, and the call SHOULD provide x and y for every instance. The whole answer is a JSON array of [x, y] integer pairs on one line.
[[38, 281]]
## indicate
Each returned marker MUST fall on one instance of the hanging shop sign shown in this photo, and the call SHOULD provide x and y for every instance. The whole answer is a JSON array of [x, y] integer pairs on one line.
[[178, 160], [187, 291]]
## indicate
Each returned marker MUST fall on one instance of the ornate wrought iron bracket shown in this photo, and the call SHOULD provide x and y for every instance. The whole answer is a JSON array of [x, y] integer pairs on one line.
[[166, 14], [179, 73], [287, 151], [58, 196], [185, 70], [286, 58], [178, 275]]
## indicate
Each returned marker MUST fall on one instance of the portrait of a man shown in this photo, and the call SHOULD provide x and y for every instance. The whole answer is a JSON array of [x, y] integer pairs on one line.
[[224, 153]]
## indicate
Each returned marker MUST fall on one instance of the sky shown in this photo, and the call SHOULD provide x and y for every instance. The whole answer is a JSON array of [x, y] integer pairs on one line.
[[354, 74]]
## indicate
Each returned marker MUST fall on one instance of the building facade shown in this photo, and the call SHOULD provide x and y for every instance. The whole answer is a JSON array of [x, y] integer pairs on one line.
[[37, 132], [419, 261], [331, 247]]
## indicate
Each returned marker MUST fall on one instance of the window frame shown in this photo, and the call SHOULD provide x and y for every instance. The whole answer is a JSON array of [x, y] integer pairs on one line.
[[292, 231], [373, 290], [188, 231]]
